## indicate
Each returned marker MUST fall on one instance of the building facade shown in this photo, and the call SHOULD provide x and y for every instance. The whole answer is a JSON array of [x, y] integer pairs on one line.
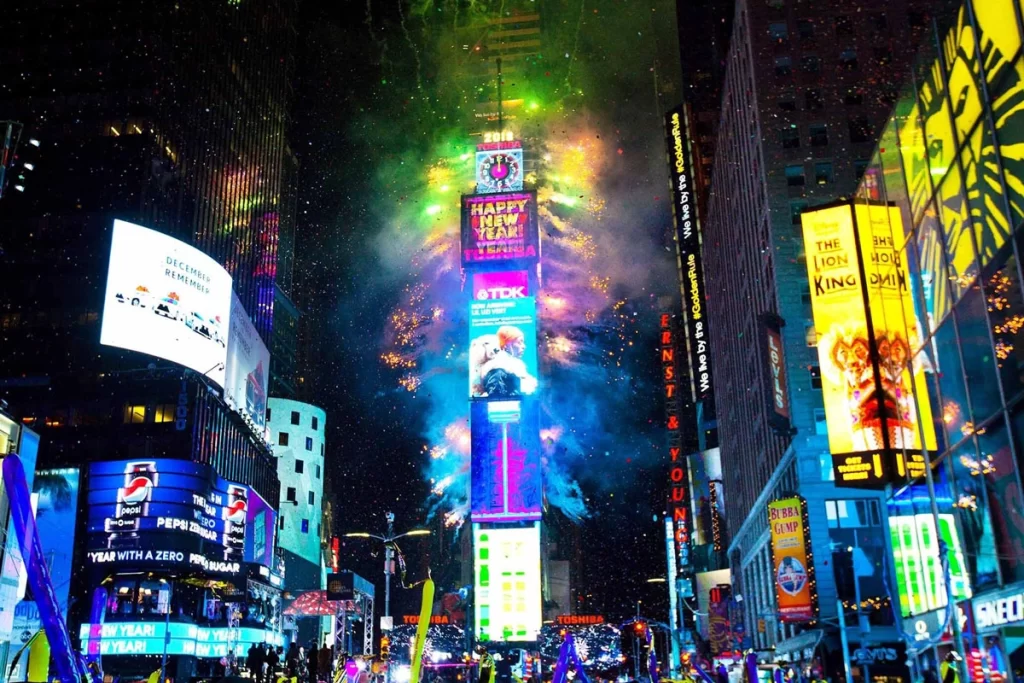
[[805, 87], [947, 175]]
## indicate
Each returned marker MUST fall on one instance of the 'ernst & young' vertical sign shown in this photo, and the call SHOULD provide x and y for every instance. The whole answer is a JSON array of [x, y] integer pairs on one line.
[[687, 223], [679, 481]]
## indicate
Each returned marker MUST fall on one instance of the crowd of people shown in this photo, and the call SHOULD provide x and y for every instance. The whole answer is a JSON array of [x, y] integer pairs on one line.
[[268, 664]]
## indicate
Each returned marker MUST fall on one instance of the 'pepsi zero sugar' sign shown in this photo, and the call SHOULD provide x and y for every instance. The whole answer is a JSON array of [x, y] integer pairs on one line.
[[166, 511], [510, 284]]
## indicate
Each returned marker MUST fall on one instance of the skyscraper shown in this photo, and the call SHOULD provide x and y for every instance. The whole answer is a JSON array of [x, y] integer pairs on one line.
[[805, 87]]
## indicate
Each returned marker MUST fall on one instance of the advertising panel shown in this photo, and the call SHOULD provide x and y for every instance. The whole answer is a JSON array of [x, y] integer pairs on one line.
[[870, 406], [507, 583], [688, 240], [166, 299], [778, 390], [919, 574], [499, 167], [502, 348], [794, 574], [56, 496], [499, 228], [247, 368], [261, 521], [679, 483], [146, 512], [509, 284], [148, 637], [506, 475], [707, 498]]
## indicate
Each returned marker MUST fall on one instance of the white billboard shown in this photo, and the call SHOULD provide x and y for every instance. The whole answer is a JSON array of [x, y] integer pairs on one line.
[[166, 299], [247, 368], [507, 584]]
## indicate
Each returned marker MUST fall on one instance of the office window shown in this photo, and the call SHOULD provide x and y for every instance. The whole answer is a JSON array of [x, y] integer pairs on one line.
[[322, 450], [787, 101], [816, 376], [312, 497], [859, 167], [776, 4], [300, 466], [779, 32], [316, 423], [805, 29], [291, 496], [860, 129], [810, 64], [823, 172], [879, 21], [844, 26], [318, 471], [305, 526], [309, 443], [795, 209], [280, 521], [813, 99], [853, 97], [134, 414], [783, 66], [819, 134], [882, 55], [164, 412], [296, 418], [916, 19], [795, 175], [848, 59], [789, 137], [282, 438], [820, 425], [856, 513], [268, 414]]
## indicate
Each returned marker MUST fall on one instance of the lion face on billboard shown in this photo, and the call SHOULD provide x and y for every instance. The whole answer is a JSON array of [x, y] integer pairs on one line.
[[888, 407]]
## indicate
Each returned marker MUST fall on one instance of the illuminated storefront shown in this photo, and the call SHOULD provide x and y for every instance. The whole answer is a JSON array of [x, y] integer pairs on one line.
[[950, 167]]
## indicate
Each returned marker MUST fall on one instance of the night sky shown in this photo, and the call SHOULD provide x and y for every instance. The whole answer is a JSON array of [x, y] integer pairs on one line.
[[374, 128]]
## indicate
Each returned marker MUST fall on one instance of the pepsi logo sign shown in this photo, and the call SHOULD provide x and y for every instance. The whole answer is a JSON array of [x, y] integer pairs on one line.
[[136, 491], [236, 512]]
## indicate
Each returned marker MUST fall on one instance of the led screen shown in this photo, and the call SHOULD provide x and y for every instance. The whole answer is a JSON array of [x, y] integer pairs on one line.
[[166, 299], [915, 549], [499, 228], [707, 497], [506, 477], [56, 496], [147, 638], [794, 572], [506, 571], [247, 368], [509, 284], [868, 422], [502, 348], [157, 512], [261, 521], [499, 170]]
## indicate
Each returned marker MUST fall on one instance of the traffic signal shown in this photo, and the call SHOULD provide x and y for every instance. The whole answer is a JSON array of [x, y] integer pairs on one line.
[[385, 647]]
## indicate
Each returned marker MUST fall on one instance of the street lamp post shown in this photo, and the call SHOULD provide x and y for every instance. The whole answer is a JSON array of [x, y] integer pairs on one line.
[[389, 557]]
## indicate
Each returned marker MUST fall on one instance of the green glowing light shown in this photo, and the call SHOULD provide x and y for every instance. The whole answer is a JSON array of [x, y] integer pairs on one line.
[[433, 209], [562, 199], [534, 106]]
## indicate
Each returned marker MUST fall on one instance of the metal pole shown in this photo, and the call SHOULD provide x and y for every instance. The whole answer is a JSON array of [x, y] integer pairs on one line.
[[842, 639], [167, 633], [862, 620]]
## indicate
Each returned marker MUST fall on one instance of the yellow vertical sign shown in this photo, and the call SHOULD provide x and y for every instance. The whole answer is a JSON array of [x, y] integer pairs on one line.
[[794, 574], [868, 379]]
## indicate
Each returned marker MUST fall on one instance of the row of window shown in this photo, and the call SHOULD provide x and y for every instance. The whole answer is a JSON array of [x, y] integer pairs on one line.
[[823, 175], [811, 64], [303, 527], [138, 414], [296, 419], [841, 26], [859, 129], [283, 439], [292, 497], [300, 468]]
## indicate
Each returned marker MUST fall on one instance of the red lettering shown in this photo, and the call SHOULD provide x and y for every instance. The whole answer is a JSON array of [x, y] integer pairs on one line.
[[666, 320], [668, 355], [678, 495], [670, 373], [670, 390], [679, 514], [676, 474], [666, 338], [674, 452], [673, 422]]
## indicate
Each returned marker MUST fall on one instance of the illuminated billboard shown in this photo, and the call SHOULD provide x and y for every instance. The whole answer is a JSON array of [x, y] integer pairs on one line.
[[166, 299], [793, 572], [247, 368], [778, 389], [149, 637], [499, 167], [499, 228], [707, 498], [506, 475], [56, 502], [508, 284], [507, 585], [158, 512], [870, 405], [915, 550], [688, 242], [502, 348], [261, 526]]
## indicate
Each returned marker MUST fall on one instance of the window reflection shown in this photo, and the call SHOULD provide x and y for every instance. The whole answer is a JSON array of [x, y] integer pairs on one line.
[[1005, 304], [955, 415], [979, 363], [1004, 495], [970, 502]]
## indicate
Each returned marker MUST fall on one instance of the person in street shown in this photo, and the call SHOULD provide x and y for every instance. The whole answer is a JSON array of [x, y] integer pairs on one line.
[[254, 661], [325, 661], [313, 662], [486, 665], [950, 669], [291, 660]]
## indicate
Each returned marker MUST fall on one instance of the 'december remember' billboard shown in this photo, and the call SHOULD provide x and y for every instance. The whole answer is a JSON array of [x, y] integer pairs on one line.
[[499, 228], [166, 299]]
